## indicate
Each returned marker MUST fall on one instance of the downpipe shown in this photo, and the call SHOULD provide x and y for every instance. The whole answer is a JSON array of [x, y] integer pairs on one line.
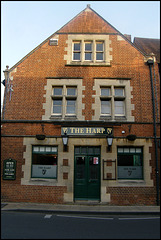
[[150, 62]]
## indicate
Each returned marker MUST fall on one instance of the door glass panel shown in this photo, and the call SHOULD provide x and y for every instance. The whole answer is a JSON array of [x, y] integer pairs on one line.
[[77, 150], [80, 167], [90, 150], [84, 150], [93, 167], [97, 150]]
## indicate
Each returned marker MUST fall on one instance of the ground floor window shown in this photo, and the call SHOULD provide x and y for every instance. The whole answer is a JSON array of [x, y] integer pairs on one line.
[[44, 162], [130, 163]]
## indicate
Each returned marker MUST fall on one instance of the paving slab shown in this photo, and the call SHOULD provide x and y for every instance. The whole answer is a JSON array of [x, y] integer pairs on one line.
[[79, 208]]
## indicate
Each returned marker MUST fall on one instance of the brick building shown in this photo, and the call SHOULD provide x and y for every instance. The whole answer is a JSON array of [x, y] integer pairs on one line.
[[81, 123]]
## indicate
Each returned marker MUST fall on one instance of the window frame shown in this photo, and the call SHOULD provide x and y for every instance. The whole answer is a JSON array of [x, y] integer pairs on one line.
[[72, 106], [49, 153], [76, 51], [130, 153], [57, 105], [113, 99], [108, 107], [88, 51], [100, 51], [106, 98], [82, 51], [57, 98], [70, 98], [123, 107], [65, 97], [119, 98]]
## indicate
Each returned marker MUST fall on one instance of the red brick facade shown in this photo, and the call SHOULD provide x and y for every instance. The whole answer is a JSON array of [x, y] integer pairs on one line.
[[23, 114]]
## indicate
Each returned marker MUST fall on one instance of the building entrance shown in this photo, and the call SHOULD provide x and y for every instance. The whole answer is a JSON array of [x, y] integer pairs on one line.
[[87, 173]]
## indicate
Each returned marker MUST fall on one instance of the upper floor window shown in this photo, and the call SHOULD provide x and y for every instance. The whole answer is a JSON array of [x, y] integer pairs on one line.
[[106, 101], [64, 101], [99, 51], [58, 91], [71, 100], [119, 101], [88, 51], [112, 102], [77, 51], [57, 100]]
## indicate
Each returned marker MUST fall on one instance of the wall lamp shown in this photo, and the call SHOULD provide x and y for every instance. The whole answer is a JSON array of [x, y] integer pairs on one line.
[[65, 142], [109, 141], [65, 139]]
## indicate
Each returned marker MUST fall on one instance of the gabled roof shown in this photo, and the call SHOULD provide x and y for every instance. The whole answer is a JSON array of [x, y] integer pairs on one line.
[[88, 21], [98, 25], [148, 46]]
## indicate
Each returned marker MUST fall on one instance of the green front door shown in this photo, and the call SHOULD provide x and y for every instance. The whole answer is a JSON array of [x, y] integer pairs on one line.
[[87, 173]]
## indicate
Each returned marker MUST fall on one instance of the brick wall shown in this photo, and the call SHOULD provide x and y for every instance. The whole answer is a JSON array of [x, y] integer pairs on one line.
[[29, 80], [132, 195]]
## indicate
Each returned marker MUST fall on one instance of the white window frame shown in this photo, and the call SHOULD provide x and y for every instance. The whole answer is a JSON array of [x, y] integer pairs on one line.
[[93, 51], [119, 98], [64, 97], [107, 98], [57, 97], [88, 51], [71, 98], [76, 51], [97, 51], [113, 99], [68, 57]]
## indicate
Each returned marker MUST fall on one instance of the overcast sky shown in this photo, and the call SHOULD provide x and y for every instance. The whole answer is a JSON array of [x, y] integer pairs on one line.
[[26, 24]]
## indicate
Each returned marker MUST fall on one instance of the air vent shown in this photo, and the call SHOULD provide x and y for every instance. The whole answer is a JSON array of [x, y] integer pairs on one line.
[[53, 42]]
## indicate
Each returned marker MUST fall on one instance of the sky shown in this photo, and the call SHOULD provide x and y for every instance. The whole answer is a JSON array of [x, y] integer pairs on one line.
[[26, 24]]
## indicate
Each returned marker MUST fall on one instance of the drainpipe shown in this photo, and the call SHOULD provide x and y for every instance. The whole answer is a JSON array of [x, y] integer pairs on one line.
[[6, 74], [150, 62]]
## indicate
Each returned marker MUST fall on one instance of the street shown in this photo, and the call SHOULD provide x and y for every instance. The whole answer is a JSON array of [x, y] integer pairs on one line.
[[30, 225]]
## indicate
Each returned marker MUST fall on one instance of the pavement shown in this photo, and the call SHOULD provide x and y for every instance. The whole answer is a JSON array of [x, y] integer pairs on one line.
[[88, 208]]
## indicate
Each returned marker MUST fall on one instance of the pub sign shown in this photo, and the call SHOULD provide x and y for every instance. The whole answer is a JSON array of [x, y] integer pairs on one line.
[[93, 131], [9, 169]]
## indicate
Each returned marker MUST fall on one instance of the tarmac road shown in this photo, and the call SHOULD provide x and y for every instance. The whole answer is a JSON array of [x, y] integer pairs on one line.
[[37, 225]]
